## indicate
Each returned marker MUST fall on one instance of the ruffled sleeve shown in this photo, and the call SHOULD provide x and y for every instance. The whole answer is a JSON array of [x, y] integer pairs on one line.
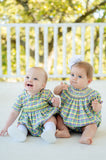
[[47, 95], [96, 95], [18, 104]]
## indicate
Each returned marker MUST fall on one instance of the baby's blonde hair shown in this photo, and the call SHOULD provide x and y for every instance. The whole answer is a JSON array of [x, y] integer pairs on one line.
[[43, 72], [87, 66]]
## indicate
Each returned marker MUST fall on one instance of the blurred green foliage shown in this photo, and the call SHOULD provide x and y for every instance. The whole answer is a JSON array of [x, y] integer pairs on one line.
[[49, 11]]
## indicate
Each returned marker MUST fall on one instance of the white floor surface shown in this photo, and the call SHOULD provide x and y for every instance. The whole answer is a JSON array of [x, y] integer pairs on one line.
[[35, 148]]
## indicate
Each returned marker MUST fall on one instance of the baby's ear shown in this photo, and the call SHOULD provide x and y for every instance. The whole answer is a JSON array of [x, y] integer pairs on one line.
[[89, 81], [43, 85]]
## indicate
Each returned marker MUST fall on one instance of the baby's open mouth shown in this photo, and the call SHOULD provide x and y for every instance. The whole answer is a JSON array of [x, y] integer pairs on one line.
[[30, 85]]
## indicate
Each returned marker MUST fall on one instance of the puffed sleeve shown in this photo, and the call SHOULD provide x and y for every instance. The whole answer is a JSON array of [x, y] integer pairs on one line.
[[18, 104], [94, 95], [64, 97], [99, 98], [47, 95]]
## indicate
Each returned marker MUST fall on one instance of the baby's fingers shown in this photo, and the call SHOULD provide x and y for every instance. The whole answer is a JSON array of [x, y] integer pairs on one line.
[[54, 100], [3, 133], [95, 101], [64, 86]]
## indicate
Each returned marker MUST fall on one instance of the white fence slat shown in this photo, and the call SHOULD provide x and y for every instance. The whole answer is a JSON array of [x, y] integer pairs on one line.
[[0, 55], [100, 49], [64, 49], [46, 48], [18, 50], [8, 52], [55, 49], [92, 45], [73, 40], [82, 41], [36, 45], [27, 47]]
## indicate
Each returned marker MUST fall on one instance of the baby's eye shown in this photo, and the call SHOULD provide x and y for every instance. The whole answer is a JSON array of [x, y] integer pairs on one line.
[[27, 77], [72, 75], [80, 76], [35, 79]]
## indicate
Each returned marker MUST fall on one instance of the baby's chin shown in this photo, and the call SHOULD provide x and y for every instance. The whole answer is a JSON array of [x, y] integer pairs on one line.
[[76, 86], [28, 89], [31, 91]]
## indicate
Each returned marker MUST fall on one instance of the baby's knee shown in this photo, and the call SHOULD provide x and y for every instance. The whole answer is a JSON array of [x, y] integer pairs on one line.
[[52, 119]]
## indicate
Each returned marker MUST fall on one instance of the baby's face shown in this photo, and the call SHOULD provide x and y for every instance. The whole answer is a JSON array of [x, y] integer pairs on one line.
[[78, 78], [34, 81]]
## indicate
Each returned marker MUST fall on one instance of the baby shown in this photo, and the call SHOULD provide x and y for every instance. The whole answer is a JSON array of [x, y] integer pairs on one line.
[[37, 107], [80, 105]]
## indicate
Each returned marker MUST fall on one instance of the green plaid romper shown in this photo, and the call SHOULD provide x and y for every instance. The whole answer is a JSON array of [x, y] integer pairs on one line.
[[76, 109], [35, 110]]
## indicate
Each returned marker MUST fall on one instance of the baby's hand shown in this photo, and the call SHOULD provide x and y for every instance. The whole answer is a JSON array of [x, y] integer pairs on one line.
[[96, 105], [56, 101], [58, 89], [3, 132], [64, 86]]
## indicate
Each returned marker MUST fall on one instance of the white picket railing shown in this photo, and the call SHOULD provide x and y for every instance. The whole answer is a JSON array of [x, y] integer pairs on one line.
[[55, 27]]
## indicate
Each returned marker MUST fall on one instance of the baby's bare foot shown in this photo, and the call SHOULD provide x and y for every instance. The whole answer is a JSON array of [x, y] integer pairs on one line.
[[86, 140], [62, 134]]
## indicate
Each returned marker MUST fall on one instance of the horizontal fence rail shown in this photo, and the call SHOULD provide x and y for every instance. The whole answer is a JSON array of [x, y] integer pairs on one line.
[[51, 46]]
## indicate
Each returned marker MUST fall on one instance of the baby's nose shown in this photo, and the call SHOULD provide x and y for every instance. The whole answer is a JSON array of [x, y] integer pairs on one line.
[[75, 77], [30, 79]]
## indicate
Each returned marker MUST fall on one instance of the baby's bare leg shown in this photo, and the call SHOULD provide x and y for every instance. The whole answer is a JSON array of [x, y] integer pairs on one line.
[[88, 134], [52, 119], [62, 131]]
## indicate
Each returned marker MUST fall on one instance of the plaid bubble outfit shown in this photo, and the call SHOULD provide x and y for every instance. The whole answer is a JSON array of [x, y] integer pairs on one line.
[[76, 109], [35, 110]]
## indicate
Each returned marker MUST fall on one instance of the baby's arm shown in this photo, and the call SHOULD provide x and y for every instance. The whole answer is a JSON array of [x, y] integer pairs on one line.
[[13, 115], [96, 105], [56, 102], [58, 89]]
